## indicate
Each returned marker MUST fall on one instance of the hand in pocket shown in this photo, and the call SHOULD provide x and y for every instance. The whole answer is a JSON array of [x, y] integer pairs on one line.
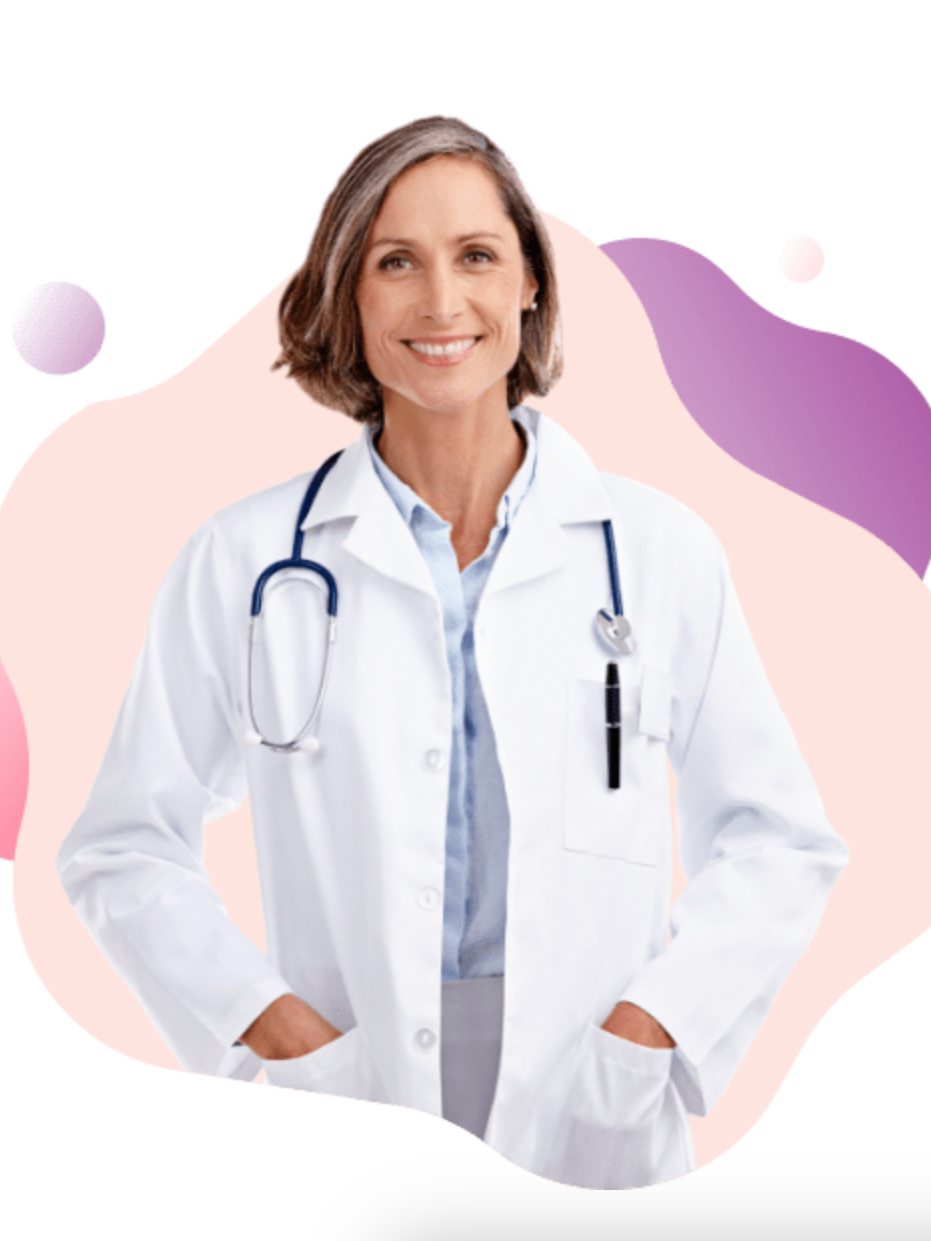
[[288, 1029], [619, 1118], [344, 1066]]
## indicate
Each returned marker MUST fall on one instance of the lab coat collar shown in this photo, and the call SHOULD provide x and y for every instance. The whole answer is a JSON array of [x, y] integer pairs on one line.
[[379, 536], [566, 476], [566, 489]]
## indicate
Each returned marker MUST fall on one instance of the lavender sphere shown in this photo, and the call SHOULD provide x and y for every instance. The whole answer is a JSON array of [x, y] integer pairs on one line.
[[59, 328]]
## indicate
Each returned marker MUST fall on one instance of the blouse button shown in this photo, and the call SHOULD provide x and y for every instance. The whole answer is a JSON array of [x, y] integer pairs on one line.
[[433, 760]]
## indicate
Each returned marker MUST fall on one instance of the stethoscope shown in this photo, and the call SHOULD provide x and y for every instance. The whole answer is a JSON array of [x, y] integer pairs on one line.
[[615, 630], [304, 740]]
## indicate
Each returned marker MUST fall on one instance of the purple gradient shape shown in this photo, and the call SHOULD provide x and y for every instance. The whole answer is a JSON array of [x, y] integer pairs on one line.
[[824, 416], [59, 328]]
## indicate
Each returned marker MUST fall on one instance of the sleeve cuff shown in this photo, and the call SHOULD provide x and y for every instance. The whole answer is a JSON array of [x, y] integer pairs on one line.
[[246, 1009], [697, 1094], [239, 1064]]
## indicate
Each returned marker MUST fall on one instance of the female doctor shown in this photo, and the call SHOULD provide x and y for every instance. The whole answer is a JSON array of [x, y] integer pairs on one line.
[[466, 907]]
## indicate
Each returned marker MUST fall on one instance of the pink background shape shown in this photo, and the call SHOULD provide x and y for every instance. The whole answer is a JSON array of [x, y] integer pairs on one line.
[[801, 259], [14, 766], [121, 486]]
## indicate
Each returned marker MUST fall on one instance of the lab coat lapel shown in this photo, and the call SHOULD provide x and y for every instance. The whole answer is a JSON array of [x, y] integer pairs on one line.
[[566, 489], [379, 537], [535, 545]]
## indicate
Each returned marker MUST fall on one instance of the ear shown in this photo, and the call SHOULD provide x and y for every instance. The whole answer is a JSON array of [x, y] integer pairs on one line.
[[529, 291]]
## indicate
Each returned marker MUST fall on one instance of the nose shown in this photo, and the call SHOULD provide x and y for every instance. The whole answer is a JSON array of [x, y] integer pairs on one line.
[[442, 295]]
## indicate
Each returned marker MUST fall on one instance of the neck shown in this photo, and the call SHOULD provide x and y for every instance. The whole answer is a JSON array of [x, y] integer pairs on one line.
[[460, 464]]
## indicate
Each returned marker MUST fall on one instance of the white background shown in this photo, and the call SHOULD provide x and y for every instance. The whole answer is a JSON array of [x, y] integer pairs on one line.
[[173, 159]]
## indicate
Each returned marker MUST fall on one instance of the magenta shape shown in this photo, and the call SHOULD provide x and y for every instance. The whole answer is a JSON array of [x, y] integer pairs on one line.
[[824, 416], [14, 767], [59, 328]]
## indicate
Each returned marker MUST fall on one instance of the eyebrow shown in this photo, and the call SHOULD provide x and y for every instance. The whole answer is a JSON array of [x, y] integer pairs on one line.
[[412, 245]]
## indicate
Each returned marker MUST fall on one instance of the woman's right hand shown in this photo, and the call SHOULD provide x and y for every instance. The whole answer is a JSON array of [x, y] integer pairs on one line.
[[288, 1028]]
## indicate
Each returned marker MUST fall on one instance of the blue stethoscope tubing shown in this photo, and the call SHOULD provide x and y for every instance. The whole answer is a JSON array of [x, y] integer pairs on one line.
[[303, 740], [614, 629]]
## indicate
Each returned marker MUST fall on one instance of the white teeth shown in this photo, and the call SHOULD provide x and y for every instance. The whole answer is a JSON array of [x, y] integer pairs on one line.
[[442, 351]]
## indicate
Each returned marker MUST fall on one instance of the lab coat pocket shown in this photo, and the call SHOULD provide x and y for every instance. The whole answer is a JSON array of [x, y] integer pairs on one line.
[[619, 823], [342, 1067], [618, 1128]]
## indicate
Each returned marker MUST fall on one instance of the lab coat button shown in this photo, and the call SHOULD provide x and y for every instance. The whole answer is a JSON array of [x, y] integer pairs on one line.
[[428, 898], [424, 1040], [433, 760]]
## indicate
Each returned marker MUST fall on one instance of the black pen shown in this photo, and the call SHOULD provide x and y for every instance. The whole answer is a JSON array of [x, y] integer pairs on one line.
[[613, 723]]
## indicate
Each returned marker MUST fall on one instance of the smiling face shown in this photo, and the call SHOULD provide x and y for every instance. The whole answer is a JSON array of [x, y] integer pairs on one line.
[[442, 288]]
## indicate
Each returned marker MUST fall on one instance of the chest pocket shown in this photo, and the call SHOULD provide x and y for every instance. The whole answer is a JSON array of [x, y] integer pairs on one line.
[[628, 822]]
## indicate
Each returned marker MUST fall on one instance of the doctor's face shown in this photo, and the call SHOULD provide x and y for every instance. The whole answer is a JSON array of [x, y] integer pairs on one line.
[[442, 288]]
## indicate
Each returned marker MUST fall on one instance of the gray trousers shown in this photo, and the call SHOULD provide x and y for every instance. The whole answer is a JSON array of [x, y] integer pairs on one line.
[[472, 1015]]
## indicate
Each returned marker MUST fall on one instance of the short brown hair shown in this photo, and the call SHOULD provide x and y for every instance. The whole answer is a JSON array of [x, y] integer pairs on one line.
[[319, 325]]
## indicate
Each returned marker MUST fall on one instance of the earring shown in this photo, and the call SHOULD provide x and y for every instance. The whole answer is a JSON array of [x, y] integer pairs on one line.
[[533, 304]]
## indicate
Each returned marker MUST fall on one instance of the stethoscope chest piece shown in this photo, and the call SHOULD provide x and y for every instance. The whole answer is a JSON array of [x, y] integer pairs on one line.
[[615, 630]]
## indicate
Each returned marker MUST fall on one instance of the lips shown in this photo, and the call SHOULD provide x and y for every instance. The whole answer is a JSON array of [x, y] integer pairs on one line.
[[444, 351], [443, 348]]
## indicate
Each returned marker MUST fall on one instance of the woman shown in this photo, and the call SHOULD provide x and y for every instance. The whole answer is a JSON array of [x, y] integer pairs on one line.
[[446, 821]]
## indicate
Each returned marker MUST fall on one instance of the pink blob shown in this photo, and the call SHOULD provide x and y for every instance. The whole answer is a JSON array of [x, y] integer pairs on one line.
[[59, 328], [801, 259], [14, 767]]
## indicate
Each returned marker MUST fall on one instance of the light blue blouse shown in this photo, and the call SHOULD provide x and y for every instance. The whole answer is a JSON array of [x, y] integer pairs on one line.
[[477, 823]]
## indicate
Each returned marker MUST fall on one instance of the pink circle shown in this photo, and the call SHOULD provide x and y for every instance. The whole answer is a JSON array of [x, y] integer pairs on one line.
[[801, 259], [59, 328]]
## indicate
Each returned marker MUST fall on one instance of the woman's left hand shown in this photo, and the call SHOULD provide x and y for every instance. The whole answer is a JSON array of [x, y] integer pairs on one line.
[[632, 1023]]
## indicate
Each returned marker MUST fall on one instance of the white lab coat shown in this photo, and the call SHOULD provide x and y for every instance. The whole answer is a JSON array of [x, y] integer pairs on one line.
[[350, 841]]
